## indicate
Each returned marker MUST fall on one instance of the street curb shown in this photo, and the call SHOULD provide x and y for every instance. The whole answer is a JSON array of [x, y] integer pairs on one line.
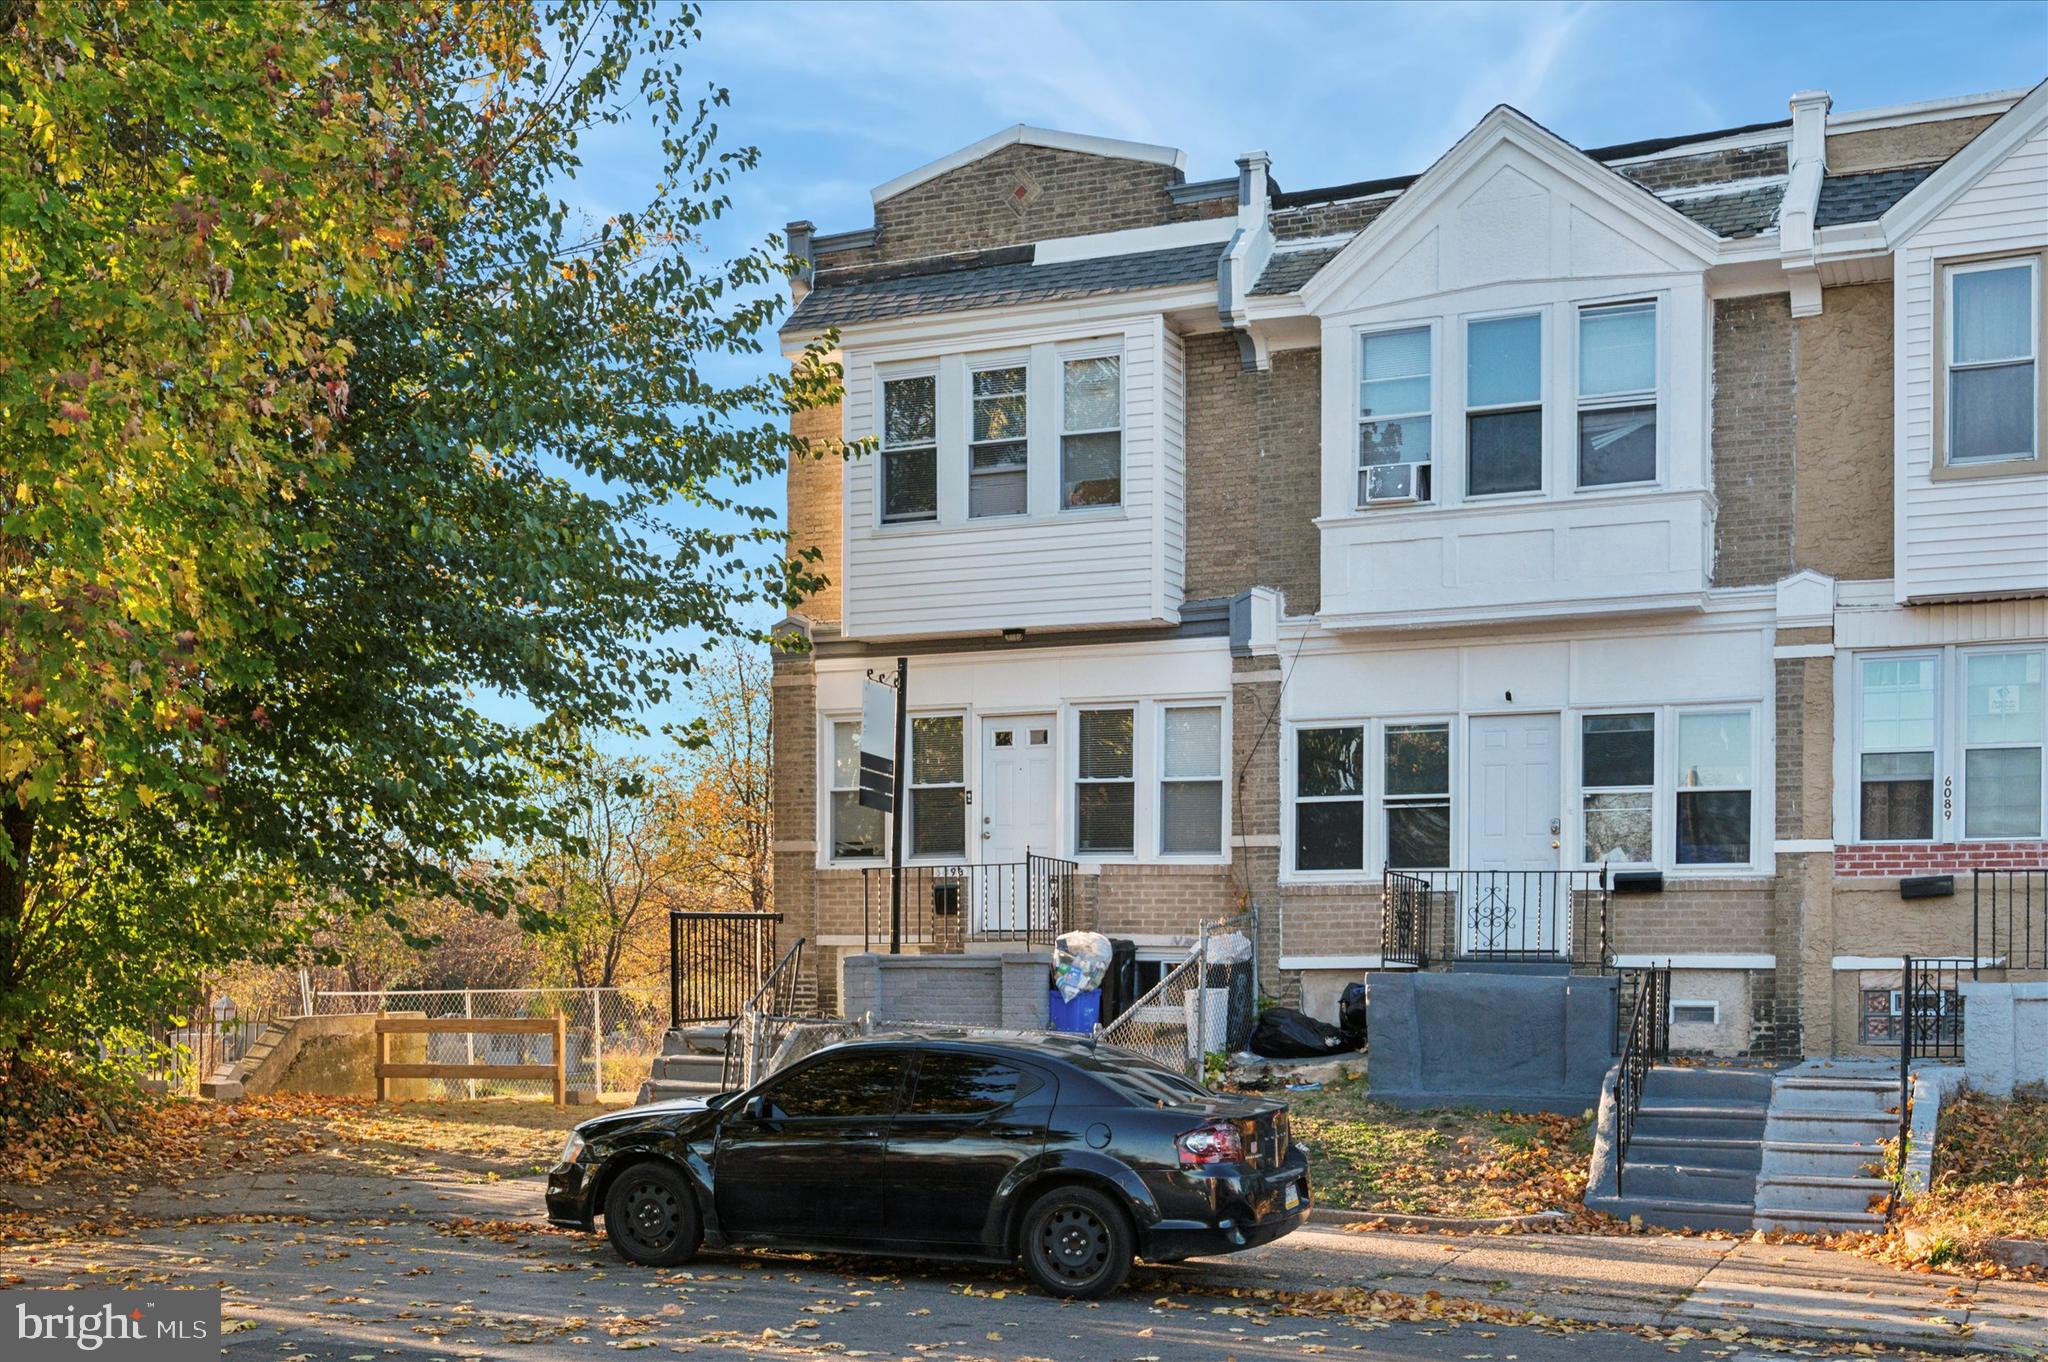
[[1338, 1215]]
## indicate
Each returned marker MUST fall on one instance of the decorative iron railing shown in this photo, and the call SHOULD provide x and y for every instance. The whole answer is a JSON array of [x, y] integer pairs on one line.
[[1930, 1021], [1648, 1040], [776, 997], [2009, 918], [716, 962], [1029, 901], [1435, 916]]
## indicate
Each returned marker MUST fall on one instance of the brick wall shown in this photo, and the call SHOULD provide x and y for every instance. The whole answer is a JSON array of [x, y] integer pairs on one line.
[[814, 520], [1842, 494], [1753, 439], [1328, 219], [1696, 917], [1713, 167], [1888, 861]]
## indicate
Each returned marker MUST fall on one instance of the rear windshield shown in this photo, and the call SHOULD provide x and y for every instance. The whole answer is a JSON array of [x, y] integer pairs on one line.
[[1142, 1081]]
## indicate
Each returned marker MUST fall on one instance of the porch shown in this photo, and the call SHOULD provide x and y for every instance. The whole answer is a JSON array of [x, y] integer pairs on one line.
[[944, 909], [1547, 921]]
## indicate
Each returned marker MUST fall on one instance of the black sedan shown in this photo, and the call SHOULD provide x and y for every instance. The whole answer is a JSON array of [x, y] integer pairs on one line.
[[1073, 1156]]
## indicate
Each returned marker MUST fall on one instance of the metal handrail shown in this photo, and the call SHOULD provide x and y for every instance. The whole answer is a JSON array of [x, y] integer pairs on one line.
[[1437, 915], [1649, 1038], [2013, 905], [780, 985], [1029, 901]]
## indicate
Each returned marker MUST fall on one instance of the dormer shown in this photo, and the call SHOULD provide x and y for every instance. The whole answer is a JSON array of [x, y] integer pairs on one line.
[[1514, 394]]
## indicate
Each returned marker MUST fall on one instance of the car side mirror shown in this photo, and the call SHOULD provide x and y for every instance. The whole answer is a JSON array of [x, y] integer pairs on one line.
[[755, 1108]]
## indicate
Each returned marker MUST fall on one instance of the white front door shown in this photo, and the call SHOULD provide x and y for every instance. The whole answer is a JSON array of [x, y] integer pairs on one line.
[[1017, 793], [1508, 900]]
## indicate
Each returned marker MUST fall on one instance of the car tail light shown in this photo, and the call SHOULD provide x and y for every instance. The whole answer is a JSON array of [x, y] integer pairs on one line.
[[1205, 1146]]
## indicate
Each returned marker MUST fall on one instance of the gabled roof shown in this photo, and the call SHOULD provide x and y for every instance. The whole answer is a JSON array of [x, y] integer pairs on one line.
[[1866, 194], [1966, 167], [1022, 134], [1005, 278]]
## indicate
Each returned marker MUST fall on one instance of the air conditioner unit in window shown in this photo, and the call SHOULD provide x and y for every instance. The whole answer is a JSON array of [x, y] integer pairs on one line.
[[1391, 483]]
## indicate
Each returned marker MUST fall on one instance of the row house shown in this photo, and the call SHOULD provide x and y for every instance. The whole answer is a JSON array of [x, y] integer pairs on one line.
[[1626, 555]]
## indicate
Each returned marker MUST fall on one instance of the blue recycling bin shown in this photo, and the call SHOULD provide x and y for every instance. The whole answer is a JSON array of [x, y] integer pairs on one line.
[[1079, 1015]]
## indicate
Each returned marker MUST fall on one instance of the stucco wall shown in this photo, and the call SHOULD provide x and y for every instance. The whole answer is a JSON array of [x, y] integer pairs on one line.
[[1915, 144], [1842, 497]]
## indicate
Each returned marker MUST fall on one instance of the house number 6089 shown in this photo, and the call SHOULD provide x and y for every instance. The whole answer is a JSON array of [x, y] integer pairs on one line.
[[1948, 798]]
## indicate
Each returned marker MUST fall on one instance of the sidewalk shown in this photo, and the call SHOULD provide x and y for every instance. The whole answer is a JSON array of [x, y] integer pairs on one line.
[[1781, 1290]]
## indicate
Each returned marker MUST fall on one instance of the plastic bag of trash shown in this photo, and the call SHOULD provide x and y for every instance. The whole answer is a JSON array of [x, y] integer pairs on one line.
[[1079, 961], [1283, 1033], [1229, 948], [1351, 1012]]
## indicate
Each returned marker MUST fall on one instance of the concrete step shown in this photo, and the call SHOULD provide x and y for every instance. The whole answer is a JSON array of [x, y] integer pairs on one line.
[[1833, 1095], [1677, 1215], [1835, 1127], [1796, 1221], [692, 1067], [1692, 1184], [1669, 1085], [704, 1038], [665, 1090], [1816, 1192], [1712, 1122], [1816, 1158], [1702, 1153]]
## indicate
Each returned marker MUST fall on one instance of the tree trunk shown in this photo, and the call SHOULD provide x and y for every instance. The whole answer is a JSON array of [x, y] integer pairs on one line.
[[18, 826]]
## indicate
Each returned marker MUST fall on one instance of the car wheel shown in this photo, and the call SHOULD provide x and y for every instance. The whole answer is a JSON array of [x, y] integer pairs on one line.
[[650, 1215], [1076, 1242]]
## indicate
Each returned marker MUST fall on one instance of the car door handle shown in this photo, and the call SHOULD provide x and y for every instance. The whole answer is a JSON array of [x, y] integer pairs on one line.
[[875, 1133]]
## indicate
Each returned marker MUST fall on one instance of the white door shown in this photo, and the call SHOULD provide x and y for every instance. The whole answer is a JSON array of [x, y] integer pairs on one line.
[[1508, 900], [1017, 793]]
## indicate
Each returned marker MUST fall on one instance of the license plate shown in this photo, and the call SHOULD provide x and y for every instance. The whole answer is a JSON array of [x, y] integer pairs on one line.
[[1293, 1195]]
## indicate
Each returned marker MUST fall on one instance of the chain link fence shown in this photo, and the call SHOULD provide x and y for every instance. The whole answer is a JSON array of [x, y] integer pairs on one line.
[[614, 1034], [1205, 1005]]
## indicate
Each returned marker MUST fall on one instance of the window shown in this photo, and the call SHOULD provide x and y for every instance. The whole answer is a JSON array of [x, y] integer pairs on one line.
[[1105, 787], [860, 1083], [1418, 796], [2002, 719], [1191, 781], [856, 829], [910, 449], [1896, 746], [1092, 432], [1393, 404], [998, 453], [1695, 1012], [1329, 799], [966, 1085], [1618, 774], [1617, 394], [938, 786], [1991, 398], [1504, 405], [1714, 788]]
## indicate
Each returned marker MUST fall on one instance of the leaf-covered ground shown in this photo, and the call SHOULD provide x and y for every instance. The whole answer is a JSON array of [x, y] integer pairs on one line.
[[1369, 1156], [1990, 1182], [168, 1142]]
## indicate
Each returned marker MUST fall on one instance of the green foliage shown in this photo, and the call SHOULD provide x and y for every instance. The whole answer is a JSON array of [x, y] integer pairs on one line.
[[325, 417]]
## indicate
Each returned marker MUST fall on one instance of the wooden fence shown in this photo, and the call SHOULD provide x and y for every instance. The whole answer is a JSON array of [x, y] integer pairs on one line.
[[556, 1026]]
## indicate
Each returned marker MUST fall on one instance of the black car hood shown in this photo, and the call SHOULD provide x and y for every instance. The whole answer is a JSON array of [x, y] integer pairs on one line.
[[676, 1111]]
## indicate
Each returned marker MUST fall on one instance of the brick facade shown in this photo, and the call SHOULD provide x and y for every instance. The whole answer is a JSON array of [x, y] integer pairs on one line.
[[1753, 439], [1892, 860]]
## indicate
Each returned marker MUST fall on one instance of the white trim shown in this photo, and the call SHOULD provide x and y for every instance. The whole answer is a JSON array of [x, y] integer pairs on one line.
[[1000, 325], [1257, 840], [1026, 135], [1132, 241], [1906, 217], [1790, 650], [1687, 193], [1713, 1004], [1861, 962], [1696, 961], [1741, 141], [1798, 846], [1307, 962], [1926, 111]]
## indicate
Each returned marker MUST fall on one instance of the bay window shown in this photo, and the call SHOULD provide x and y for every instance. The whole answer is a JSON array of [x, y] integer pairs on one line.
[[910, 448], [1105, 782], [1617, 394], [1417, 796], [1191, 781], [1990, 397], [1329, 798], [1714, 788], [1618, 779], [998, 449], [2002, 732], [938, 786], [1895, 748], [1091, 432], [1393, 408], [856, 829], [1504, 405]]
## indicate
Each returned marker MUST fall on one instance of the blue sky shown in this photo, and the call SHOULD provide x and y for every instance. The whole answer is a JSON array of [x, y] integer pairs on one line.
[[841, 97]]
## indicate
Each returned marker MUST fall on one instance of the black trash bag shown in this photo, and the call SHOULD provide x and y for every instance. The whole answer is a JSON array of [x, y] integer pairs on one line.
[[1283, 1033], [1351, 1013]]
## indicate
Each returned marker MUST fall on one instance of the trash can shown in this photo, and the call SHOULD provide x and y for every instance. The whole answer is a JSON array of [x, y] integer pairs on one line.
[[1079, 1015], [1120, 985]]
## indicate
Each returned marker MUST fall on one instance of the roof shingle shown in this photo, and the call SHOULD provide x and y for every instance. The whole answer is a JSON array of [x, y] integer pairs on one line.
[[1289, 270], [1003, 285], [1746, 212], [1865, 196]]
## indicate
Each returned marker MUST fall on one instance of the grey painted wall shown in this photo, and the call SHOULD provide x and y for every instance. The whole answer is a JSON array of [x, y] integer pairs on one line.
[[1513, 1042], [948, 990]]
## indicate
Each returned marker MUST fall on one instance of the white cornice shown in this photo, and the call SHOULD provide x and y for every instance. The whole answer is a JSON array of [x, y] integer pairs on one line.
[[1026, 135], [1132, 241], [1925, 111]]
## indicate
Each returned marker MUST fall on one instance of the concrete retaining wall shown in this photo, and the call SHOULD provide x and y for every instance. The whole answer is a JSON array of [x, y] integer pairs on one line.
[[953, 990], [2005, 1036], [332, 1056], [1494, 1041]]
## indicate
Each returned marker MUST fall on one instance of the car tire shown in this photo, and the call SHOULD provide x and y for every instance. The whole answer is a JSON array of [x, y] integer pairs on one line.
[[650, 1215], [1077, 1243]]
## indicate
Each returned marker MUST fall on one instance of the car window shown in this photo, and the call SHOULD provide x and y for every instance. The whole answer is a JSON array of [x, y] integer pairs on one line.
[[858, 1083], [1141, 1080], [966, 1085]]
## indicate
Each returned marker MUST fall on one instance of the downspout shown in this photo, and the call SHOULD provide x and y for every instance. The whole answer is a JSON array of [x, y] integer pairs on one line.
[[1244, 259], [1798, 252]]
